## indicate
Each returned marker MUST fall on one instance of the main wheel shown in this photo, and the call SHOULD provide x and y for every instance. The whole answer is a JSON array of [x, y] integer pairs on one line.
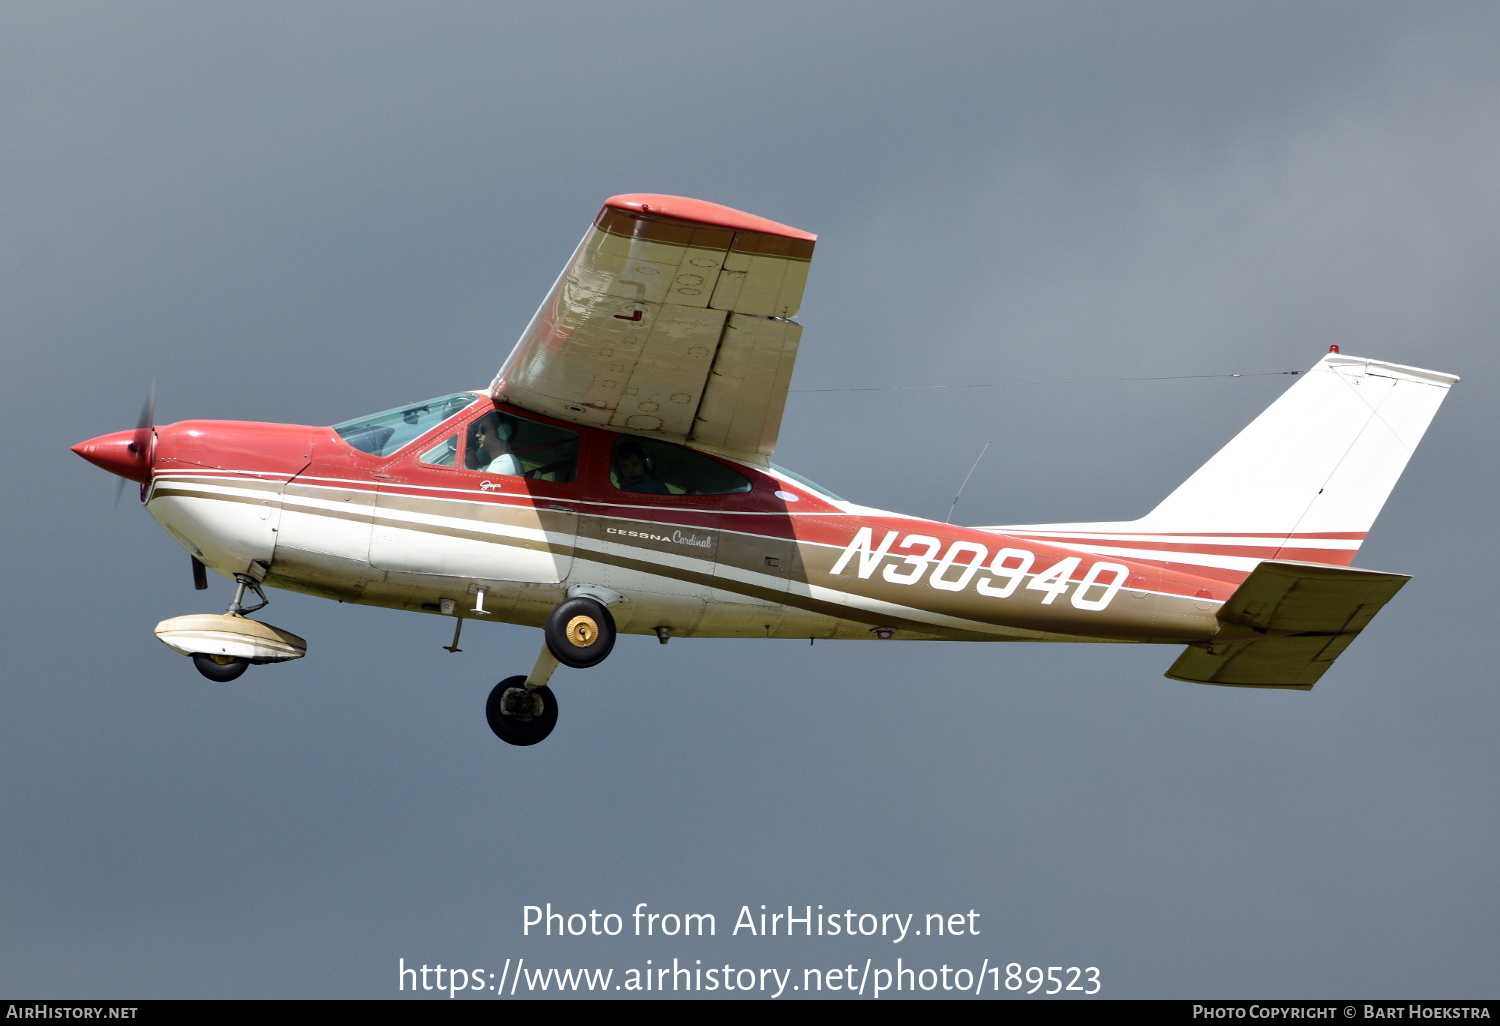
[[580, 633], [218, 668], [517, 720]]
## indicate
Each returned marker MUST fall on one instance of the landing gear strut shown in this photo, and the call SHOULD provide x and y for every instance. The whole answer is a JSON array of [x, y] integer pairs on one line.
[[243, 581], [221, 669]]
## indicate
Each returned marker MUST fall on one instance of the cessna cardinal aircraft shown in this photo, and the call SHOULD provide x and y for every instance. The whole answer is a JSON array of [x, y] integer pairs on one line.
[[617, 476]]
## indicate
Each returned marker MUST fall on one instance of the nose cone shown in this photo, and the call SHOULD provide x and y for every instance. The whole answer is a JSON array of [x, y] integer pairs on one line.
[[126, 453]]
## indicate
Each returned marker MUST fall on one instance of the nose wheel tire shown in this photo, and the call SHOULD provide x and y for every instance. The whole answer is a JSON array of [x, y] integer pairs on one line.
[[220, 669], [580, 633], [519, 716]]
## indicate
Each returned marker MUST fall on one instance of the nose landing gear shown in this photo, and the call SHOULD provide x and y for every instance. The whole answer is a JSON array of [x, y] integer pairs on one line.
[[223, 645]]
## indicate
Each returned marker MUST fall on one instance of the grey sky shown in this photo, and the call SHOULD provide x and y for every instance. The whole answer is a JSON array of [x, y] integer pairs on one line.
[[307, 212]]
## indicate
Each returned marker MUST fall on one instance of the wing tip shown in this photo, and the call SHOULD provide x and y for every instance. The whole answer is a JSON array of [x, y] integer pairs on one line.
[[701, 212]]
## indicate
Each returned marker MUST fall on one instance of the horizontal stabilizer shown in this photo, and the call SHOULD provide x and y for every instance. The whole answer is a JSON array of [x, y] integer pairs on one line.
[[1282, 595], [1307, 614]]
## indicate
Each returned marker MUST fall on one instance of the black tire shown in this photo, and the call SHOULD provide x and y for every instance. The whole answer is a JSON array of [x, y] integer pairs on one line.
[[580, 633], [219, 673], [514, 730]]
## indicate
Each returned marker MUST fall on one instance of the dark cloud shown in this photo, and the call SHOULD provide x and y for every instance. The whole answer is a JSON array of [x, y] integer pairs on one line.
[[302, 213]]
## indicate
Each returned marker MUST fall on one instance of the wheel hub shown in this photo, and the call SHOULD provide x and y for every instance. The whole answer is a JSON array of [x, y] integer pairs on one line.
[[521, 704], [582, 631]]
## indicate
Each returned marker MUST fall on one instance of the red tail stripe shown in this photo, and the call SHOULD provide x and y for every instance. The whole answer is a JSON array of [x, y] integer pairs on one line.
[[1249, 551], [1122, 535]]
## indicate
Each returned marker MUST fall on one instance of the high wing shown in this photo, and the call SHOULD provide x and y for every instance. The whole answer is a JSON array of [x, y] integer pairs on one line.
[[672, 319]]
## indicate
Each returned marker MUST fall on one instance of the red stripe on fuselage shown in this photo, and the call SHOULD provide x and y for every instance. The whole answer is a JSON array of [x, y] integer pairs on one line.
[[1308, 553]]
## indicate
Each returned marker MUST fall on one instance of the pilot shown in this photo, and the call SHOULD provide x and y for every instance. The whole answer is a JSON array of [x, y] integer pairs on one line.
[[489, 445], [633, 469]]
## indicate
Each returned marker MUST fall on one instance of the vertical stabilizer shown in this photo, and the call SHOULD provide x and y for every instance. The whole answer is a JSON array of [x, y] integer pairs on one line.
[[1303, 481]]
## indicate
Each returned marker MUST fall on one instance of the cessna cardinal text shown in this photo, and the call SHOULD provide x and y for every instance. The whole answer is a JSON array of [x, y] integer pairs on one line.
[[617, 476]]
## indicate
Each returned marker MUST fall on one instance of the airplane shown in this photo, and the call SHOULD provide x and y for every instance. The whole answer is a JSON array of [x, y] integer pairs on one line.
[[616, 476]]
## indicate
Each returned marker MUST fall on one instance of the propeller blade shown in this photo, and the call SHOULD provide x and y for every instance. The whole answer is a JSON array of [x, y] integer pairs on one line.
[[145, 430], [148, 411]]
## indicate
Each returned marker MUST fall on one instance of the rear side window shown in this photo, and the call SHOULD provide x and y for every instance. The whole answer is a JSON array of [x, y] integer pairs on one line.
[[810, 485], [649, 467], [382, 434]]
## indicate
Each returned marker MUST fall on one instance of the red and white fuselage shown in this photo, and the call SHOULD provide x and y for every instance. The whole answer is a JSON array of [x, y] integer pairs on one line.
[[781, 560]]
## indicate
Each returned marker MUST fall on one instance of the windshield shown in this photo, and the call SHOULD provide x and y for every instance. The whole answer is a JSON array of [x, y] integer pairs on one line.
[[806, 483], [383, 433]]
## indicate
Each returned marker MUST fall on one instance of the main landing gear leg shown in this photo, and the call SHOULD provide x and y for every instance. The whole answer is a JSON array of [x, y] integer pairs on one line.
[[580, 632], [542, 669]]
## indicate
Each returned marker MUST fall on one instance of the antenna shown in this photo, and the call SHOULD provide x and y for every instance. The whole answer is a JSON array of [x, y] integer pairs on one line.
[[949, 518]]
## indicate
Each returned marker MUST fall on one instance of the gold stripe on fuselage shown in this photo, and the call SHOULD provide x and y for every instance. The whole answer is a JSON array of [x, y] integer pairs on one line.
[[733, 562]]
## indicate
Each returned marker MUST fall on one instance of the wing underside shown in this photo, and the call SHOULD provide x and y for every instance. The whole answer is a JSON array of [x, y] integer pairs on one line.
[[672, 319]]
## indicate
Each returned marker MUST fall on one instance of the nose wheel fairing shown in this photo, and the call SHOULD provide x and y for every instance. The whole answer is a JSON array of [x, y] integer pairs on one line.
[[230, 636]]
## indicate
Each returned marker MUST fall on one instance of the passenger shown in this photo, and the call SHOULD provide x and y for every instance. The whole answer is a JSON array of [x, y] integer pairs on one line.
[[489, 446], [633, 469]]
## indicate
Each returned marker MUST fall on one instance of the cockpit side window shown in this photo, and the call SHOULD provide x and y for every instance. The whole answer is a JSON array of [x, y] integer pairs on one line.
[[384, 433], [649, 467], [503, 443]]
